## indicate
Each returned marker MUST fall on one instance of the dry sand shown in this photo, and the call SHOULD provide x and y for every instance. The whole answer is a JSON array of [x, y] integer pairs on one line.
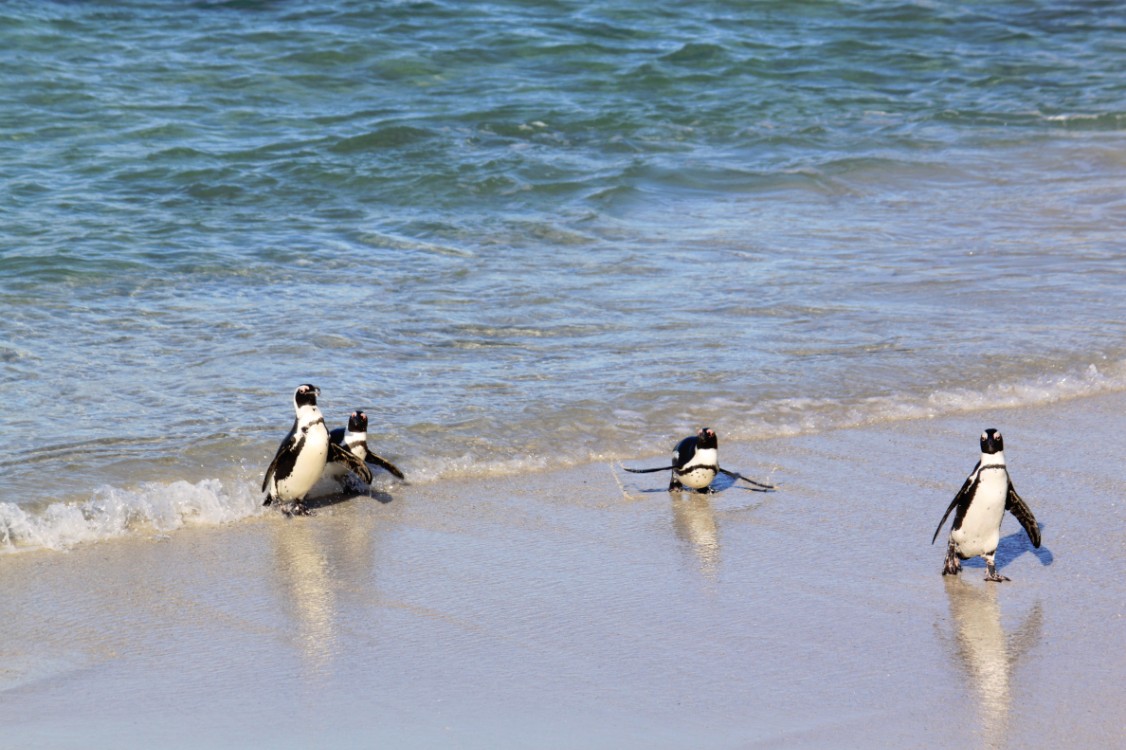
[[578, 609]]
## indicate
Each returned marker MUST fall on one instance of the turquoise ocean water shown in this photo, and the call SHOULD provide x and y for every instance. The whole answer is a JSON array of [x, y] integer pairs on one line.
[[529, 235]]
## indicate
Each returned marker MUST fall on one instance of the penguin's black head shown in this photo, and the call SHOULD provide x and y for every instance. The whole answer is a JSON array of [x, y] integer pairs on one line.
[[306, 395], [991, 442], [706, 438], [358, 422]]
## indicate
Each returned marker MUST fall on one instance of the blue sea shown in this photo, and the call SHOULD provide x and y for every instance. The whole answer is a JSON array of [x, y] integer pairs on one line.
[[530, 235]]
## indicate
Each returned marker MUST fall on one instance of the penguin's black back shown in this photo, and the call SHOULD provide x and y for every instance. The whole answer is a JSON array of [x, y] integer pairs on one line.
[[684, 451]]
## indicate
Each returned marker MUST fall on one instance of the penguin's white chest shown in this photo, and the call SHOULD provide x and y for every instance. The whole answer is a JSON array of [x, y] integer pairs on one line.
[[981, 528], [308, 465], [356, 444], [701, 470]]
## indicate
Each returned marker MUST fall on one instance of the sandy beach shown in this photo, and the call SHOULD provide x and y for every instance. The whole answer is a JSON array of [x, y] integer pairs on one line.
[[589, 609]]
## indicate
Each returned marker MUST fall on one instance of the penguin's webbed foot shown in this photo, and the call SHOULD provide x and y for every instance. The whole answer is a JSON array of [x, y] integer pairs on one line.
[[297, 509], [952, 566], [991, 573]]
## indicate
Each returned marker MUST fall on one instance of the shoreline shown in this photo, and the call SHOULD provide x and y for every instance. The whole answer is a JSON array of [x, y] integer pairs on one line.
[[586, 607]]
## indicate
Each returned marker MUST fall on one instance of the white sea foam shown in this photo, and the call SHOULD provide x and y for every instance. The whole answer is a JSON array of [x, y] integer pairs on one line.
[[112, 512], [468, 466], [794, 416]]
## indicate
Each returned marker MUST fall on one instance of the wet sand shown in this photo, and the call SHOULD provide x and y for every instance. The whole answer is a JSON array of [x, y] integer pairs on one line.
[[590, 609]]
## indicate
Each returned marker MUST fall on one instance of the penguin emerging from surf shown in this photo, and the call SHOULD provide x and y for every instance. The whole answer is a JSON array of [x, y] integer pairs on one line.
[[986, 495], [353, 439], [302, 455], [695, 464]]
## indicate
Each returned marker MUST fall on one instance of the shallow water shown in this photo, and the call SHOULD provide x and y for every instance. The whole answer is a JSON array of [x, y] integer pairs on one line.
[[529, 236]]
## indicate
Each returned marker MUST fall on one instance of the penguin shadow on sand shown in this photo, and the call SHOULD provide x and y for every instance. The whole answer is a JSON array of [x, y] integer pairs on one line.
[[1010, 548], [986, 653], [351, 491], [321, 502]]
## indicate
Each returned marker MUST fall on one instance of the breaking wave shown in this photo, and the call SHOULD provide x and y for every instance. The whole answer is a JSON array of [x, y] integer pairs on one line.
[[113, 512]]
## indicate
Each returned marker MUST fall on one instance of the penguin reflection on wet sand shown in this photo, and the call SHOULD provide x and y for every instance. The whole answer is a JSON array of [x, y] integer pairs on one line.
[[695, 464], [302, 455], [353, 439], [987, 493]]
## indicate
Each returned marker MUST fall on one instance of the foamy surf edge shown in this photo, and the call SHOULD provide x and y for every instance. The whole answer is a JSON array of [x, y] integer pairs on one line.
[[113, 512], [158, 508], [791, 417]]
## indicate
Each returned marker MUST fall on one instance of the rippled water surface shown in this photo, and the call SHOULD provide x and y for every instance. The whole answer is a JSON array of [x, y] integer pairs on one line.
[[523, 235]]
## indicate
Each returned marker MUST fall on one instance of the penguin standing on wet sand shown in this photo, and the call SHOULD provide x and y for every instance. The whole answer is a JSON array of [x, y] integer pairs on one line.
[[302, 455], [695, 464], [986, 495], [353, 439]]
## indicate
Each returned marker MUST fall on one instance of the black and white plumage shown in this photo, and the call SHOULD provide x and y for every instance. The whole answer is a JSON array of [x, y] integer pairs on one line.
[[985, 496], [695, 464], [302, 455], [353, 439]]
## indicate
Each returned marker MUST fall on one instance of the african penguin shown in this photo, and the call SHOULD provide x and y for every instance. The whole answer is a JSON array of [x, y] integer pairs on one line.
[[985, 496], [354, 440], [695, 463], [302, 455]]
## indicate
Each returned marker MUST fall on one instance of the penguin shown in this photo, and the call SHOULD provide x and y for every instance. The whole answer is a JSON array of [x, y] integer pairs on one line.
[[302, 455], [985, 496], [695, 463], [353, 439]]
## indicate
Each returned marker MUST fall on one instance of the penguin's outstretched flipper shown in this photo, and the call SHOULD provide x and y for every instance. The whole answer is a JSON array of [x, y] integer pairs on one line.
[[383, 463], [737, 475], [649, 471], [337, 452], [1015, 505]]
